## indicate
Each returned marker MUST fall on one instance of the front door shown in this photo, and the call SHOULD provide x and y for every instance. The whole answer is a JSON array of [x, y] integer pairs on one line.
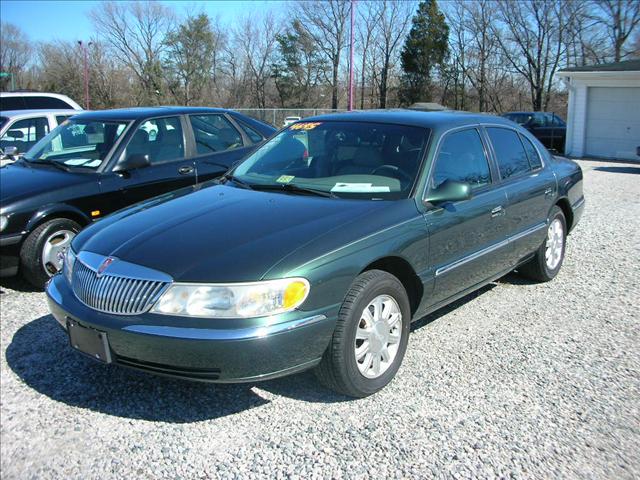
[[162, 140], [467, 239]]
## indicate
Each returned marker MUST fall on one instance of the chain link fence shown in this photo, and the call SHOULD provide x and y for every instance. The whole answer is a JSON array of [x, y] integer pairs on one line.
[[276, 116]]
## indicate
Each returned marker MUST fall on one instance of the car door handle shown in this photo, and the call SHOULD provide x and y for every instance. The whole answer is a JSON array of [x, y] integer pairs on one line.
[[186, 170], [548, 192], [498, 211]]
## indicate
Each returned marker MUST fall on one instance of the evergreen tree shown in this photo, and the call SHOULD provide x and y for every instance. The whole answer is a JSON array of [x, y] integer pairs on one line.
[[425, 49]]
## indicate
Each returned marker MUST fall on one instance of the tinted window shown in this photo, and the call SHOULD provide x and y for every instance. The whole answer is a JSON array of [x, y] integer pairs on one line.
[[46, 103], [349, 159], [512, 159], [461, 159], [538, 120], [532, 153], [61, 118], [214, 133], [160, 138], [12, 103], [251, 133], [556, 121], [520, 118], [24, 134], [78, 144]]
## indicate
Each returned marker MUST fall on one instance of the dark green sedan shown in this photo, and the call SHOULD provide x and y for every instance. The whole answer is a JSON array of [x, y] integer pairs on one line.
[[319, 249]]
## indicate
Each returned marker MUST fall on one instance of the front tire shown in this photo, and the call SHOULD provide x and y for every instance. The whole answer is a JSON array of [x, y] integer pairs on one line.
[[370, 338], [546, 263], [40, 252]]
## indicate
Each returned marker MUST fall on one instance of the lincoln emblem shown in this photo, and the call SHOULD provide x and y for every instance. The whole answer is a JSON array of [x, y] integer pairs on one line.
[[103, 266]]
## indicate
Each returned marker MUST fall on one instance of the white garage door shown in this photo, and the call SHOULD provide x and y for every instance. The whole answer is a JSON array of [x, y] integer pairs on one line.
[[613, 122]]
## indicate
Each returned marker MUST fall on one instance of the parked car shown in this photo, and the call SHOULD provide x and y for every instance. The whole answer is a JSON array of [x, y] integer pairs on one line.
[[99, 162], [549, 128], [289, 120], [36, 101], [21, 129], [319, 249]]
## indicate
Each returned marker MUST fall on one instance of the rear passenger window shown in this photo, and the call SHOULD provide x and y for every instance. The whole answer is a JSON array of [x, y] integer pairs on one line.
[[214, 133], [461, 159], [251, 133], [532, 153], [511, 156]]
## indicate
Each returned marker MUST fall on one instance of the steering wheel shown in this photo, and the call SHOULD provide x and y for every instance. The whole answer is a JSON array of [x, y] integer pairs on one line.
[[395, 172]]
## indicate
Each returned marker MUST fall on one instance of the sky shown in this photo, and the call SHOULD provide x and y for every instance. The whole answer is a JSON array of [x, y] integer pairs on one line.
[[44, 20]]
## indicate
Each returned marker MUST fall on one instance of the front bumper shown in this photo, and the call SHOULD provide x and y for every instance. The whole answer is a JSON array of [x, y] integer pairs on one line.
[[203, 349]]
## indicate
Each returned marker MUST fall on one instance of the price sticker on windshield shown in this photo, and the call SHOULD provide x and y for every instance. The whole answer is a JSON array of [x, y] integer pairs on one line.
[[305, 125], [285, 178]]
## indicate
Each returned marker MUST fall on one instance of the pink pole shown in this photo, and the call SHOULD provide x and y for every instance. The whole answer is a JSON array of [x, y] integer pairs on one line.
[[353, 4]]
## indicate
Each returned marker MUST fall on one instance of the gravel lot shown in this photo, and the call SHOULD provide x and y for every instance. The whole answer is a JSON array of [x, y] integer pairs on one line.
[[518, 380]]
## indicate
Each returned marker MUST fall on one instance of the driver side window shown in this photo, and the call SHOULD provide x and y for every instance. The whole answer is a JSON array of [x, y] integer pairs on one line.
[[461, 158], [159, 138]]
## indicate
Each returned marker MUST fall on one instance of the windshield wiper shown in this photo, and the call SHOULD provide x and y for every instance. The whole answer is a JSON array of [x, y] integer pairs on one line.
[[46, 161], [234, 179], [293, 188]]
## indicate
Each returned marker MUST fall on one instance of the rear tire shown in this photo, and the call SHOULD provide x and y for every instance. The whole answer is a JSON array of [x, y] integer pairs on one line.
[[39, 252], [370, 338], [546, 263]]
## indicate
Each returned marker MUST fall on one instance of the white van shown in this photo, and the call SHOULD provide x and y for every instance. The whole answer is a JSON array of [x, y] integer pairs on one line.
[[36, 100]]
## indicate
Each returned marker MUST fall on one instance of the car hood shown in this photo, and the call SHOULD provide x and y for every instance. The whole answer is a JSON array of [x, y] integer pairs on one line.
[[20, 180], [221, 233]]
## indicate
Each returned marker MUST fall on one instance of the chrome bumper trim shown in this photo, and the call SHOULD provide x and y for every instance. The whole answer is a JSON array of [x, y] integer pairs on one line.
[[234, 334]]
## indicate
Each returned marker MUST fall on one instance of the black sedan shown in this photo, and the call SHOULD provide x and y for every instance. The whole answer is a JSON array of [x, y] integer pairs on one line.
[[319, 249], [99, 162], [547, 127]]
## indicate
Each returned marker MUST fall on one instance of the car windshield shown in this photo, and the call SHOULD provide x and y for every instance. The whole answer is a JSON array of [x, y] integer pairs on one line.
[[344, 159], [77, 144]]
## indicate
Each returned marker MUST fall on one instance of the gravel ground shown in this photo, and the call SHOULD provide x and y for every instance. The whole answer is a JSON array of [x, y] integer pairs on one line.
[[518, 380]]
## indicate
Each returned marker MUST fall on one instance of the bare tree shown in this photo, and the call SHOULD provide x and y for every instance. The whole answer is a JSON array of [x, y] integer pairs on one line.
[[619, 18], [531, 34], [393, 20], [326, 23], [136, 33], [14, 52], [365, 26], [256, 39]]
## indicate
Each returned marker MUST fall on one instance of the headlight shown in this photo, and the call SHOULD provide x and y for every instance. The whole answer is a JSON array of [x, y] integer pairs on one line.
[[69, 262], [3, 222], [240, 300]]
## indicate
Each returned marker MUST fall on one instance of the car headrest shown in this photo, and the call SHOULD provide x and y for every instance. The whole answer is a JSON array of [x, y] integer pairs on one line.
[[140, 137]]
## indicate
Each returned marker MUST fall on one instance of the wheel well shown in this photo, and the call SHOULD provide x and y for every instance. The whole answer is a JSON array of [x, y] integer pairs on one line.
[[403, 271], [79, 219], [564, 205]]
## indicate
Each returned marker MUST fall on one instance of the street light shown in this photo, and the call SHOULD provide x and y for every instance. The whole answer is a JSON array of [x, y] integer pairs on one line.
[[86, 73]]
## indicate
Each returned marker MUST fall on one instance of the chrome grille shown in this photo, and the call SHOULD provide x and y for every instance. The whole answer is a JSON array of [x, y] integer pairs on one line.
[[114, 293]]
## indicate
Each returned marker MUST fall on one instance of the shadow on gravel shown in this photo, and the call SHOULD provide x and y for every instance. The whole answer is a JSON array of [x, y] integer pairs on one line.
[[618, 170], [40, 355], [16, 283]]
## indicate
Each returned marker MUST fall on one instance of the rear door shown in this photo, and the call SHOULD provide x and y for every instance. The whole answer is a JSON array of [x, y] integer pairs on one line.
[[217, 144], [163, 140], [467, 239], [530, 188]]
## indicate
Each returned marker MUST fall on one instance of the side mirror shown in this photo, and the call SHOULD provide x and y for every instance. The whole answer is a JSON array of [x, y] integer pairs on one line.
[[133, 162], [10, 151], [15, 134], [449, 191]]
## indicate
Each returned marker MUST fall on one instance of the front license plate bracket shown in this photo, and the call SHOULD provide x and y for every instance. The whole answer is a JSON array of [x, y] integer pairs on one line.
[[89, 341]]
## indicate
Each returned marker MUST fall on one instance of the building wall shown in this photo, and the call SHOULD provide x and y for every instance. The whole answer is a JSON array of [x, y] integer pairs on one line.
[[578, 116]]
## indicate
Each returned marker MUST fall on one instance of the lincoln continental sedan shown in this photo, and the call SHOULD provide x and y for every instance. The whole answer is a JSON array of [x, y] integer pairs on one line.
[[319, 249]]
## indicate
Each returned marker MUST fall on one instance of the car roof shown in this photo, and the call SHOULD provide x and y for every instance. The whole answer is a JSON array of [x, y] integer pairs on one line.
[[34, 112], [137, 113], [433, 120]]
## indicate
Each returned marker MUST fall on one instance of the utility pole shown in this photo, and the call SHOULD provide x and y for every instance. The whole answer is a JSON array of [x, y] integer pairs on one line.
[[86, 73], [353, 5]]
